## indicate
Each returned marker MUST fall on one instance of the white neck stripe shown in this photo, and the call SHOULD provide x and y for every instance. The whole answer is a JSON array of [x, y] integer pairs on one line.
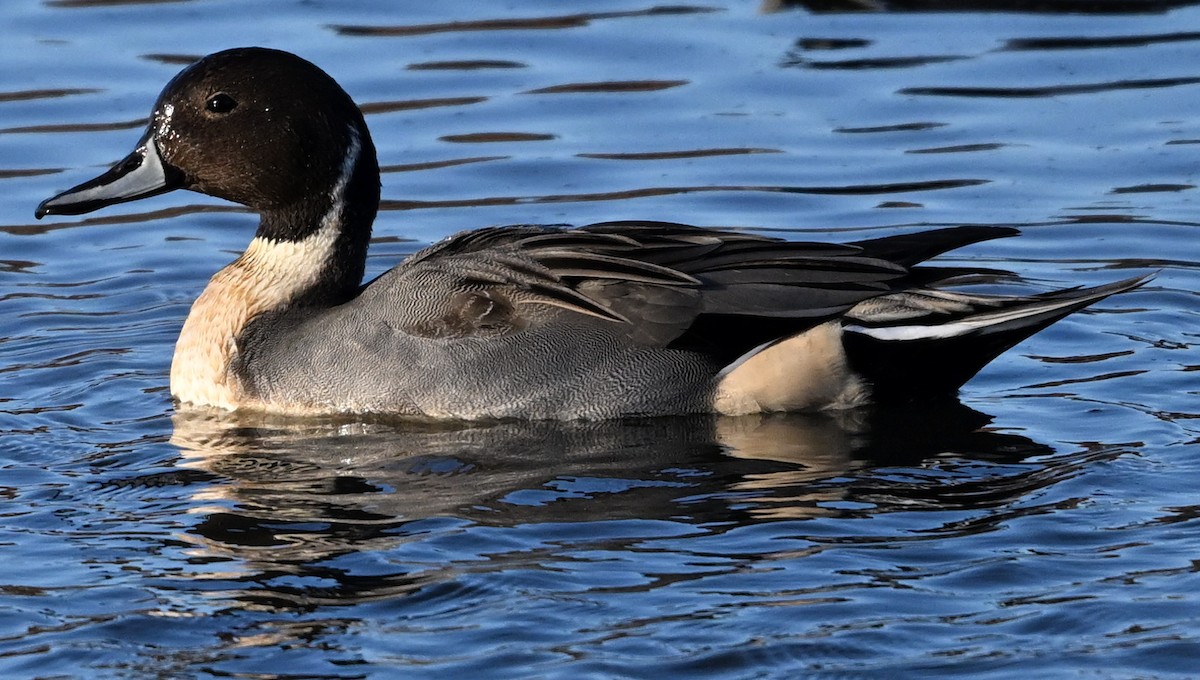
[[299, 264], [337, 195]]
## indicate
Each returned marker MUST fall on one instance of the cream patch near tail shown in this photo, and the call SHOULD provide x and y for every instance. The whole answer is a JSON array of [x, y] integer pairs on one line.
[[805, 372]]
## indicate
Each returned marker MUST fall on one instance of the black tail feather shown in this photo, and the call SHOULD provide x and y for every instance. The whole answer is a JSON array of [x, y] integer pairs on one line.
[[927, 365], [911, 249]]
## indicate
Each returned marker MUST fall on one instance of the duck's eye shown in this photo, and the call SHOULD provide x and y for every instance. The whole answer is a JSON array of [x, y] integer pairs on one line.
[[220, 103]]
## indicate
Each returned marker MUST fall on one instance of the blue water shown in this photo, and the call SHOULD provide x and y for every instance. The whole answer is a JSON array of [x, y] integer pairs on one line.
[[1048, 526]]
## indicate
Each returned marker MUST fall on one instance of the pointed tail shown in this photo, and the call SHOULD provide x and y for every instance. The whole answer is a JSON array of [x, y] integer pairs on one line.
[[929, 342]]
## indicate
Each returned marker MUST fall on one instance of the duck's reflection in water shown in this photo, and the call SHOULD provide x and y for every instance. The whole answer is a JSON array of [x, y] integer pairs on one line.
[[302, 488], [287, 507], [317, 528]]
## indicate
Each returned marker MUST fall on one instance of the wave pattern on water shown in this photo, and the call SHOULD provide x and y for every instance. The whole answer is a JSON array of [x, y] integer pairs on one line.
[[1045, 525]]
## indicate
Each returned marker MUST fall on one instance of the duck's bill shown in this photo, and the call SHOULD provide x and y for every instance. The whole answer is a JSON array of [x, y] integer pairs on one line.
[[141, 174]]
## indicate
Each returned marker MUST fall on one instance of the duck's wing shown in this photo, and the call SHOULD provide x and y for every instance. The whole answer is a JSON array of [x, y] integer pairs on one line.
[[660, 283], [500, 280]]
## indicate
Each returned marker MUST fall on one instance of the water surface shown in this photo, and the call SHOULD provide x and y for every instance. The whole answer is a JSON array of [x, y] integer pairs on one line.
[[1045, 525]]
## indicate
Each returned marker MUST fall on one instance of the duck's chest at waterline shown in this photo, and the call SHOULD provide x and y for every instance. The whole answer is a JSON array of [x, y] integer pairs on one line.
[[202, 371], [268, 276], [205, 369]]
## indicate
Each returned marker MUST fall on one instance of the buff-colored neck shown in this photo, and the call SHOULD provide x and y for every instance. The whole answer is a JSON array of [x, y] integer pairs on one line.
[[268, 276]]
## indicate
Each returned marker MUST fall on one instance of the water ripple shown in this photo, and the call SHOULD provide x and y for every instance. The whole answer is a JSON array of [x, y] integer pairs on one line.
[[514, 24], [1049, 90], [1044, 525]]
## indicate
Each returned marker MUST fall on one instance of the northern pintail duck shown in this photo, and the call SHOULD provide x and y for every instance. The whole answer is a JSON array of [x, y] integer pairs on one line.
[[608, 320]]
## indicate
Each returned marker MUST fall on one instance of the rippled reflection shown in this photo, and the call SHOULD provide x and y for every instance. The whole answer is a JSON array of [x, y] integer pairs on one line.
[[282, 496]]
